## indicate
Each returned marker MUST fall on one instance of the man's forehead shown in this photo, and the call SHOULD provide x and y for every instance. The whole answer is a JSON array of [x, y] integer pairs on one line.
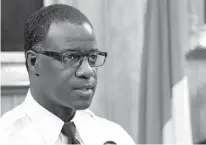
[[59, 28], [64, 35], [88, 28]]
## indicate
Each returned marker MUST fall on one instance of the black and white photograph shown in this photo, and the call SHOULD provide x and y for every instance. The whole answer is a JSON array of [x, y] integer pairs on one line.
[[103, 72]]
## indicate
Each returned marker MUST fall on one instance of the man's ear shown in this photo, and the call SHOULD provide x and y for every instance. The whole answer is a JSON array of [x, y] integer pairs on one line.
[[32, 62]]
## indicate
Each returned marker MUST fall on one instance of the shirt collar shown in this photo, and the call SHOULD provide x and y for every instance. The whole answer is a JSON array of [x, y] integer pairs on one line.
[[47, 124]]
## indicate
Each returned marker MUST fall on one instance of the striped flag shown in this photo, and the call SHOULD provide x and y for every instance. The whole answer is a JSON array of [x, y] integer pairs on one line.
[[164, 99]]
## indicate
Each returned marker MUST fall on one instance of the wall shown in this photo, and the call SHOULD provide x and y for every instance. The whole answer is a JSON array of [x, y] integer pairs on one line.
[[195, 70]]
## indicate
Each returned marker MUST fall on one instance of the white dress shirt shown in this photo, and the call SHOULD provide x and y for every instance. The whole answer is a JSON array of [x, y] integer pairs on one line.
[[31, 124]]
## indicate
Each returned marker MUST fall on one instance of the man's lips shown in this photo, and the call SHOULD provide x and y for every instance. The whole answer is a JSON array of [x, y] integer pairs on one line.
[[84, 90], [84, 87]]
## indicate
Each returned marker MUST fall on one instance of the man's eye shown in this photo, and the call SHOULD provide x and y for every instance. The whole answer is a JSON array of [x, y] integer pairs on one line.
[[93, 57], [73, 57]]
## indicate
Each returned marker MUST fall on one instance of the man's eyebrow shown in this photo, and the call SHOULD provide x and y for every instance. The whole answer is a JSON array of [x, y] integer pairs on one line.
[[78, 49]]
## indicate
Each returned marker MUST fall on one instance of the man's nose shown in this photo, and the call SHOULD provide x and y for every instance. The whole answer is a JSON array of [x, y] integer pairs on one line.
[[85, 70]]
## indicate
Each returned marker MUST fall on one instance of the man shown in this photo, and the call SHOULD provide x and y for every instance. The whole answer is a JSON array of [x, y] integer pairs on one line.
[[62, 59]]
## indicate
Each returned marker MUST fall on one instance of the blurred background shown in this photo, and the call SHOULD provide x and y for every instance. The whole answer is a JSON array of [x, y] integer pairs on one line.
[[120, 27]]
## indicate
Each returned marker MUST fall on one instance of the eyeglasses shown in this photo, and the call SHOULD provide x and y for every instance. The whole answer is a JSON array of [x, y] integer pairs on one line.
[[75, 59]]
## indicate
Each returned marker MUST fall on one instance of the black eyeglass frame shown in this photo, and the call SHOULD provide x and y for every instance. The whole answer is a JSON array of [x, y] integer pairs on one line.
[[59, 55]]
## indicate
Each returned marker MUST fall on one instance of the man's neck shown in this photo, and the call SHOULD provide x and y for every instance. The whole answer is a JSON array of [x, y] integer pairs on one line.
[[64, 113]]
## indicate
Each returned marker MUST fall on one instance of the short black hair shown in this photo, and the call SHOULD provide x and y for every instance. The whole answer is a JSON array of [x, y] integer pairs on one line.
[[38, 24]]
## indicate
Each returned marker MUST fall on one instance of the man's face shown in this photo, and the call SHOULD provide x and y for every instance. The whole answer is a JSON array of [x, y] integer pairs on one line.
[[68, 86]]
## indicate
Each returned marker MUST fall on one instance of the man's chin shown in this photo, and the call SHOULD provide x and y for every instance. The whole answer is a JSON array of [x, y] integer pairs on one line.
[[82, 106]]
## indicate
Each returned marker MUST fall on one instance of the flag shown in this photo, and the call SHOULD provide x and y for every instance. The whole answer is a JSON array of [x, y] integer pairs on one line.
[[164, 115]]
